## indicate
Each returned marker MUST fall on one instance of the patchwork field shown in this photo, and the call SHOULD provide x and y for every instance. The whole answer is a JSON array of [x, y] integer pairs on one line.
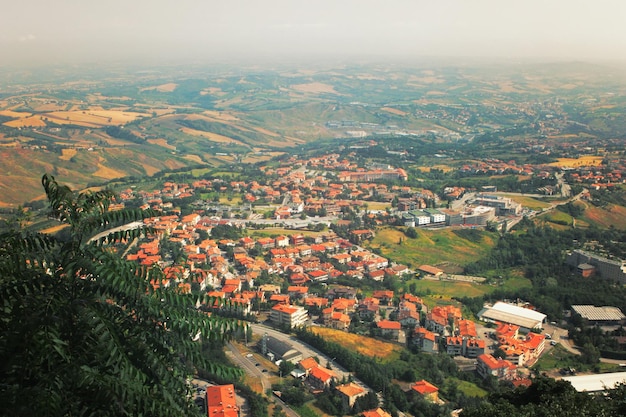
[[361, 344], [213, 137], [88, 118]]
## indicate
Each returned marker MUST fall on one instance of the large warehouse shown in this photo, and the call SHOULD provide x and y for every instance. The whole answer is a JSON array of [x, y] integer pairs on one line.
[[596, 382], [600, 315], [525, 318]]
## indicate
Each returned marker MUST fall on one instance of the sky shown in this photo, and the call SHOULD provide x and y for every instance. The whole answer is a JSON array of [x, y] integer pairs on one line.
[[77, 31]]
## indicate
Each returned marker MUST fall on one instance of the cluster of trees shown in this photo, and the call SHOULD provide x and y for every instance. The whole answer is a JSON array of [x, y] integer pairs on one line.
[[84, 332], [547, 397], [541, 252], [121, 133], [440, 370]]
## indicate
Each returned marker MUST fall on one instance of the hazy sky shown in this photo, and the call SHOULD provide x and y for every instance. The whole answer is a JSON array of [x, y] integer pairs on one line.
[[33, 31]]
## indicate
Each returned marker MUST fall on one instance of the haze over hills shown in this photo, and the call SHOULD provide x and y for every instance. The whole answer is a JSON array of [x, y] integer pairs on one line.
[[93, 126]]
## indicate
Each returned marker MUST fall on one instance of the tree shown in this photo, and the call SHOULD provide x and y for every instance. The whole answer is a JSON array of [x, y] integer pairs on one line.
[[84, 332]]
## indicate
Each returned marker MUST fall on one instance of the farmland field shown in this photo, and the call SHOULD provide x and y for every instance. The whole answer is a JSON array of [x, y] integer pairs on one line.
[[364, 345], [587, 160]]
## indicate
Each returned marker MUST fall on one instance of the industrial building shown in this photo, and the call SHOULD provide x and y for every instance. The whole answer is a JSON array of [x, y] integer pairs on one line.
[[596, 382], [600, 315], [614, 270], [501, 312]]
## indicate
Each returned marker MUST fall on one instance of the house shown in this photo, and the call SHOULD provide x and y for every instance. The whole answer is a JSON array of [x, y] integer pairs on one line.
[[427, 390], [307, 364], [390, 329], [318, 275], [297, 291], [368, 308], [430, 270], [378, 275], [379, 412], [321, 378], [454, 346], [221, 401], [341, 292], [408, 318], [488, 366], [281, 241], [266, 242], [336, 320], [440, 317], [349, 393], [425, 340], [384, 296], [296, 240]]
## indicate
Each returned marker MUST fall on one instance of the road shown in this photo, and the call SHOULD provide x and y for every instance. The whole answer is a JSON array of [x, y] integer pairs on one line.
[[249, 366], [307, 351]]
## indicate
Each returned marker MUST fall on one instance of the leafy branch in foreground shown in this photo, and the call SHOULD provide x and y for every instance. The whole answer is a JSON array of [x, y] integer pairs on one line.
[[84, 332]]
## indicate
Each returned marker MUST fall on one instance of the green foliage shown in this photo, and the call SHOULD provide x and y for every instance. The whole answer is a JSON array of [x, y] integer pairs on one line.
[[541, 252], [547, 397], [83, 332], [473, 235]]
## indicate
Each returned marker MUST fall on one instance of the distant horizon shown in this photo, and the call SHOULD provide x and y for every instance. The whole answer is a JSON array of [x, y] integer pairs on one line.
[[153, 32]]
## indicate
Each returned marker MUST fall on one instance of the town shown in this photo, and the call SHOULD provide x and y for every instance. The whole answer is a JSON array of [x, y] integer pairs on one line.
[[311, 272]]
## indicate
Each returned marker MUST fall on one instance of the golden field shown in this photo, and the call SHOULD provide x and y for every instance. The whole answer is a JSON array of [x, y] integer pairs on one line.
[[87, 118], [587, 160], [364, 345], [315, 88]]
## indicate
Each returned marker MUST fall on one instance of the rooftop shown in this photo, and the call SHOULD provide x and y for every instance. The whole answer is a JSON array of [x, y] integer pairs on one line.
[[594, 313], [596, 382]]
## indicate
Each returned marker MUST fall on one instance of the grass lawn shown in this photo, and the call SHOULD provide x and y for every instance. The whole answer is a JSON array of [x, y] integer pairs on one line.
[[470, 389], [364, 345], [309, 410], [234, 200], [557, 217], [558, 357], [430, 247], [442, 292], [528, 202], [378, 206], [449, 289]]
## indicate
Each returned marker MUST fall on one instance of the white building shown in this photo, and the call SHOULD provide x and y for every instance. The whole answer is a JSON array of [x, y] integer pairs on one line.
[[435, 216], [420, 217], [596, 382], [525, 318], [292, 316]]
